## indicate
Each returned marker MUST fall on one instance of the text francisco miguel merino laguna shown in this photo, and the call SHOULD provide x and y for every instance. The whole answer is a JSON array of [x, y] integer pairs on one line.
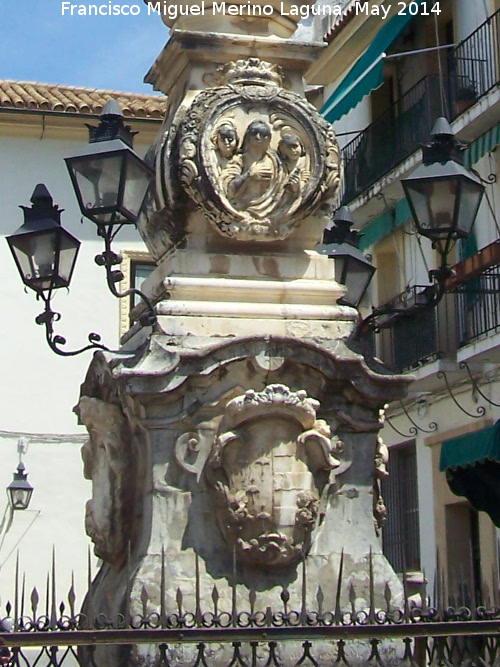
[[244, 9]]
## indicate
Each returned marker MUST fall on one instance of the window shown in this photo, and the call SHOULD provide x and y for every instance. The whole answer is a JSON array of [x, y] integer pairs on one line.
[[400, 534], [136, 266], [139, 271]]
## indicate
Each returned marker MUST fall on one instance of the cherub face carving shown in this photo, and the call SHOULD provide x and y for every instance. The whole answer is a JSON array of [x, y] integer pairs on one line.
[[263, 160]]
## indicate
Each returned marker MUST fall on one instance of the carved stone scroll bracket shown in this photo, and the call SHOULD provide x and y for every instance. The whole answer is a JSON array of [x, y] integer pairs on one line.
[[112, 462]]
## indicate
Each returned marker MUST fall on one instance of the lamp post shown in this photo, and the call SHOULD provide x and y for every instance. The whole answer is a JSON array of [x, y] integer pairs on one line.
[[20, 490], [352, 269], [111, 183], [444, 200], [443, 196], [45, 255]]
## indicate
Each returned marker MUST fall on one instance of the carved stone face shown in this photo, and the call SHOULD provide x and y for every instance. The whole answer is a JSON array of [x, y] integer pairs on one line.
[[290, 147], [112, 469], [248, 137], [226, 140], [257, 138]]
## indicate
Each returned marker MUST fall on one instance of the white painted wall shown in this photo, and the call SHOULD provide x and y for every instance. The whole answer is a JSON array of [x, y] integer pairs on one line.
[[467, 15], [55, 518], [355, 121], [39, 389]]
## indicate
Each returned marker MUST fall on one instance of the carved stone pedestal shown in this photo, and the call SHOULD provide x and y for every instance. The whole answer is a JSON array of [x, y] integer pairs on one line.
[[233, 450], [245, 458]]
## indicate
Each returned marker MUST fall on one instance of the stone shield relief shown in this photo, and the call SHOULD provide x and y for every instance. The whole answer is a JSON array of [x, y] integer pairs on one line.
[[256, 159], [269, 464]]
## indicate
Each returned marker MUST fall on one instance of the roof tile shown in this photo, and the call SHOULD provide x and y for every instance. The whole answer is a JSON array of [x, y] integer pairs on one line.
[[73, 99]]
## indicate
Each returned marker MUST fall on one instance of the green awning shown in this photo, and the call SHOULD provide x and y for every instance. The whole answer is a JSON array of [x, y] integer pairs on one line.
[[472, 466], [482, 145], [367, 73]]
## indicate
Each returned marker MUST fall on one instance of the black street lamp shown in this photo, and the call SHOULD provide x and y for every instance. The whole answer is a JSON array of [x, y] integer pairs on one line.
[[20, 490], [444, 200], [44, 252], [443, 196], [352, 269], [110, 180], [45, 255], [111, 183]]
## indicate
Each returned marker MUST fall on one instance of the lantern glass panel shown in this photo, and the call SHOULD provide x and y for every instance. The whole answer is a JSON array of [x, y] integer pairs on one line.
[[98, 180], [136, 186], [470, 200], [36, 256], [67, 259], [20, 498], [434, 203], [355, 275]]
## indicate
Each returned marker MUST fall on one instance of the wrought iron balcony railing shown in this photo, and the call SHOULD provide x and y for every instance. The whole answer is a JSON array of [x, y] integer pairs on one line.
[[473, 70], [478, 306], [470, 312]]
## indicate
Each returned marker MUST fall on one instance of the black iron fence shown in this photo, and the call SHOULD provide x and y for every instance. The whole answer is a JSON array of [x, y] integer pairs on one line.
[[469, 313], [473, 69], [478, 306], [474, 62], [251, 635]]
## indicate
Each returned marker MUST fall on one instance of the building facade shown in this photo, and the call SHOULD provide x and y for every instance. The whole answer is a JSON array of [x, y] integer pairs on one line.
[[386, 81], [40, 125]]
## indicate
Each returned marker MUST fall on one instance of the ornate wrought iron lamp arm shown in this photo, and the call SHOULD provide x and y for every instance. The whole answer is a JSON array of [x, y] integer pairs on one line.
[[480, 411], [475, 385], [108, 259], [433, 295], [48, 317], [432, 427]]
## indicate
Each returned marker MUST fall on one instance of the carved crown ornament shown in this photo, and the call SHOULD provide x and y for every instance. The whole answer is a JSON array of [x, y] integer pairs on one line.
[[255, 158]]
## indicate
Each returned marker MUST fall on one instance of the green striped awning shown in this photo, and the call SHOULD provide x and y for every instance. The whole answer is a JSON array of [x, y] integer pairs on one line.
[[472, 466], [478, 148], [367, 72]]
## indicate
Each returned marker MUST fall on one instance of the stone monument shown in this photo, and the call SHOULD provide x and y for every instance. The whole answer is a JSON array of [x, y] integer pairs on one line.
[[238, 439]]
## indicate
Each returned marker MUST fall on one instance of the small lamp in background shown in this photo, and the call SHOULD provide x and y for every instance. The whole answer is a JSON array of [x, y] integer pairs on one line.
[[20, 490], [352, 269]]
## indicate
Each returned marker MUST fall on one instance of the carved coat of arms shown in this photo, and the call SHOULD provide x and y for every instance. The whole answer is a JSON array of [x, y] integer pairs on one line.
[[270, 462], [254, 157]]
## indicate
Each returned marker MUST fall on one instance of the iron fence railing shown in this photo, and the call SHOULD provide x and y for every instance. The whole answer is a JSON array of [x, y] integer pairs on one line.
[[465, 315], [475, 62], [391, 138], [479, 306], [445, 633], [473, 69]]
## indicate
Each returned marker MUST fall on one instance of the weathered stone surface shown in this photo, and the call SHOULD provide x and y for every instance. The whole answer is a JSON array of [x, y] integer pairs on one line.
[[254, 159], [212, 417], [234, 452]]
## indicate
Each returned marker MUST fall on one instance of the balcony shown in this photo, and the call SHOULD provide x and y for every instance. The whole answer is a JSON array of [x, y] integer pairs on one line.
[[473, 71], [469, 313]]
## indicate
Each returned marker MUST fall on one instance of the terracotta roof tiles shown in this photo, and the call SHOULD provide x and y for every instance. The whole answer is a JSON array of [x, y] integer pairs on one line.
[[72, 99]]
